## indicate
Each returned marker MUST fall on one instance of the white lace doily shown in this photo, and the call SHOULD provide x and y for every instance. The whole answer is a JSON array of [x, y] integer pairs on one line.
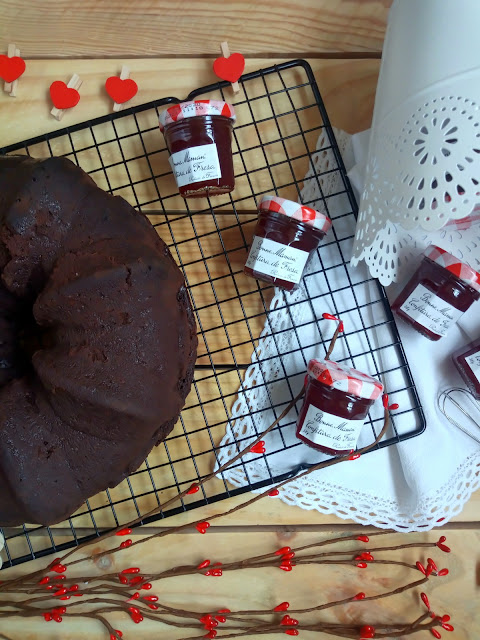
[[417, 491]]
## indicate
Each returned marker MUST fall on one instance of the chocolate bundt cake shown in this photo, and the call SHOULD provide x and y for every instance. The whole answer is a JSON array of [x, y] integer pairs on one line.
[[97, 339]]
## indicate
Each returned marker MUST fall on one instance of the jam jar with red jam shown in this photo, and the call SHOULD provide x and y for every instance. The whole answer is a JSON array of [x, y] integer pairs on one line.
[[199, 139], [437, 294], [337, 400], [286, 235], [467, 361]]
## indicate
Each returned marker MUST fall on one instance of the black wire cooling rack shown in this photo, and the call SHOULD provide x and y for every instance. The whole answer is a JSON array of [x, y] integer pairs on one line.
[[280, 116]]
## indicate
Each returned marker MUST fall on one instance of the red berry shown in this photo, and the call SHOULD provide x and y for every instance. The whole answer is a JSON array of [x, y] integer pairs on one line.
[[193, 488], [203, 564], [425, 600], [435, 633], [124, 532], [202, 527], [359, 596], [131, 570], [126, 543], [283, 606], [282, 551]]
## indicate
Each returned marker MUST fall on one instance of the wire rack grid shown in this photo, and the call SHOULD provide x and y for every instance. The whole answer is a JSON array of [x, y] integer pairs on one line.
[[280, 116]]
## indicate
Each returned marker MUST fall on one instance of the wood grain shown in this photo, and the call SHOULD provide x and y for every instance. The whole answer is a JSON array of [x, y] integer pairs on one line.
[[456, 594], [154, 28], [347, 87]]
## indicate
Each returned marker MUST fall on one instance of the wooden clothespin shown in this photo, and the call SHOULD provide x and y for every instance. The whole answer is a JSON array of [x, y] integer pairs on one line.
[[11, 68], [121, 89], [64, 96], [230, 67]]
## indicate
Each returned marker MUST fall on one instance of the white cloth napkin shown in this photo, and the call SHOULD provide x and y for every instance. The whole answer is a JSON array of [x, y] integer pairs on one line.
[[415, 485]]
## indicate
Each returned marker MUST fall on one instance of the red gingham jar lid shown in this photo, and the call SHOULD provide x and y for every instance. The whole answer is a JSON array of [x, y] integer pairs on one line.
[[299, 212], [344, 378], [177, 112], [449, 262]]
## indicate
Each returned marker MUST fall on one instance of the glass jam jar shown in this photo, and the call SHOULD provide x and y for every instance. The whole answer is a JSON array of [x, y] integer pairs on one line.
[[285, 237], [437, 294], [467, 361], [199, 138], [337, 400]]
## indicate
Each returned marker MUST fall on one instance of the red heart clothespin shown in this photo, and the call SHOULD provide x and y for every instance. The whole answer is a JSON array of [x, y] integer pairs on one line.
[[12, 66], [121, 89], [230, 67], [64, 96]]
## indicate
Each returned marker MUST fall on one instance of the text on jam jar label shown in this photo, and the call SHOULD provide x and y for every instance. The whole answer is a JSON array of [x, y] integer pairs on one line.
[[430, 311], [276, 259], [473, 362], [330, 431], [197, 164]]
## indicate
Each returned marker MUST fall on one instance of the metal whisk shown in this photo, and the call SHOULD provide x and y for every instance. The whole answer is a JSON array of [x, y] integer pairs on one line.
[[465, 402]]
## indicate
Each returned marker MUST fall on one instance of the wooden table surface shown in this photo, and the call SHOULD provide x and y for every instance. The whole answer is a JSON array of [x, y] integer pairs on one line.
[[169, 47]]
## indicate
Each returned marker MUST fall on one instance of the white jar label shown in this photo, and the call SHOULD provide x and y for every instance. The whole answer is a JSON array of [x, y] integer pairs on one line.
[[196, 164], [430, 311], [330, 431], [473, 362], [276, 259]]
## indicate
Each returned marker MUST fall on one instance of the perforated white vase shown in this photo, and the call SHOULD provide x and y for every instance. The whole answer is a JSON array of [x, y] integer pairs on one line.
[[423, 162]]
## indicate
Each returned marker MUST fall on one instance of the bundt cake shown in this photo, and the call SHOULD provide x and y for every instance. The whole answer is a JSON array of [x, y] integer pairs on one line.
[[97, 339]]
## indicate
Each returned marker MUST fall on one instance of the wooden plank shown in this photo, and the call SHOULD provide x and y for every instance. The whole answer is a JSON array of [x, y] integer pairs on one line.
[[347, 87], [305, 586], [162, 28]]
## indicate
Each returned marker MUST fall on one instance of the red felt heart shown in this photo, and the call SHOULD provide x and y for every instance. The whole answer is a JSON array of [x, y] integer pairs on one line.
[[230, 68], [11, 68], [63, 97], [121, 90]]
